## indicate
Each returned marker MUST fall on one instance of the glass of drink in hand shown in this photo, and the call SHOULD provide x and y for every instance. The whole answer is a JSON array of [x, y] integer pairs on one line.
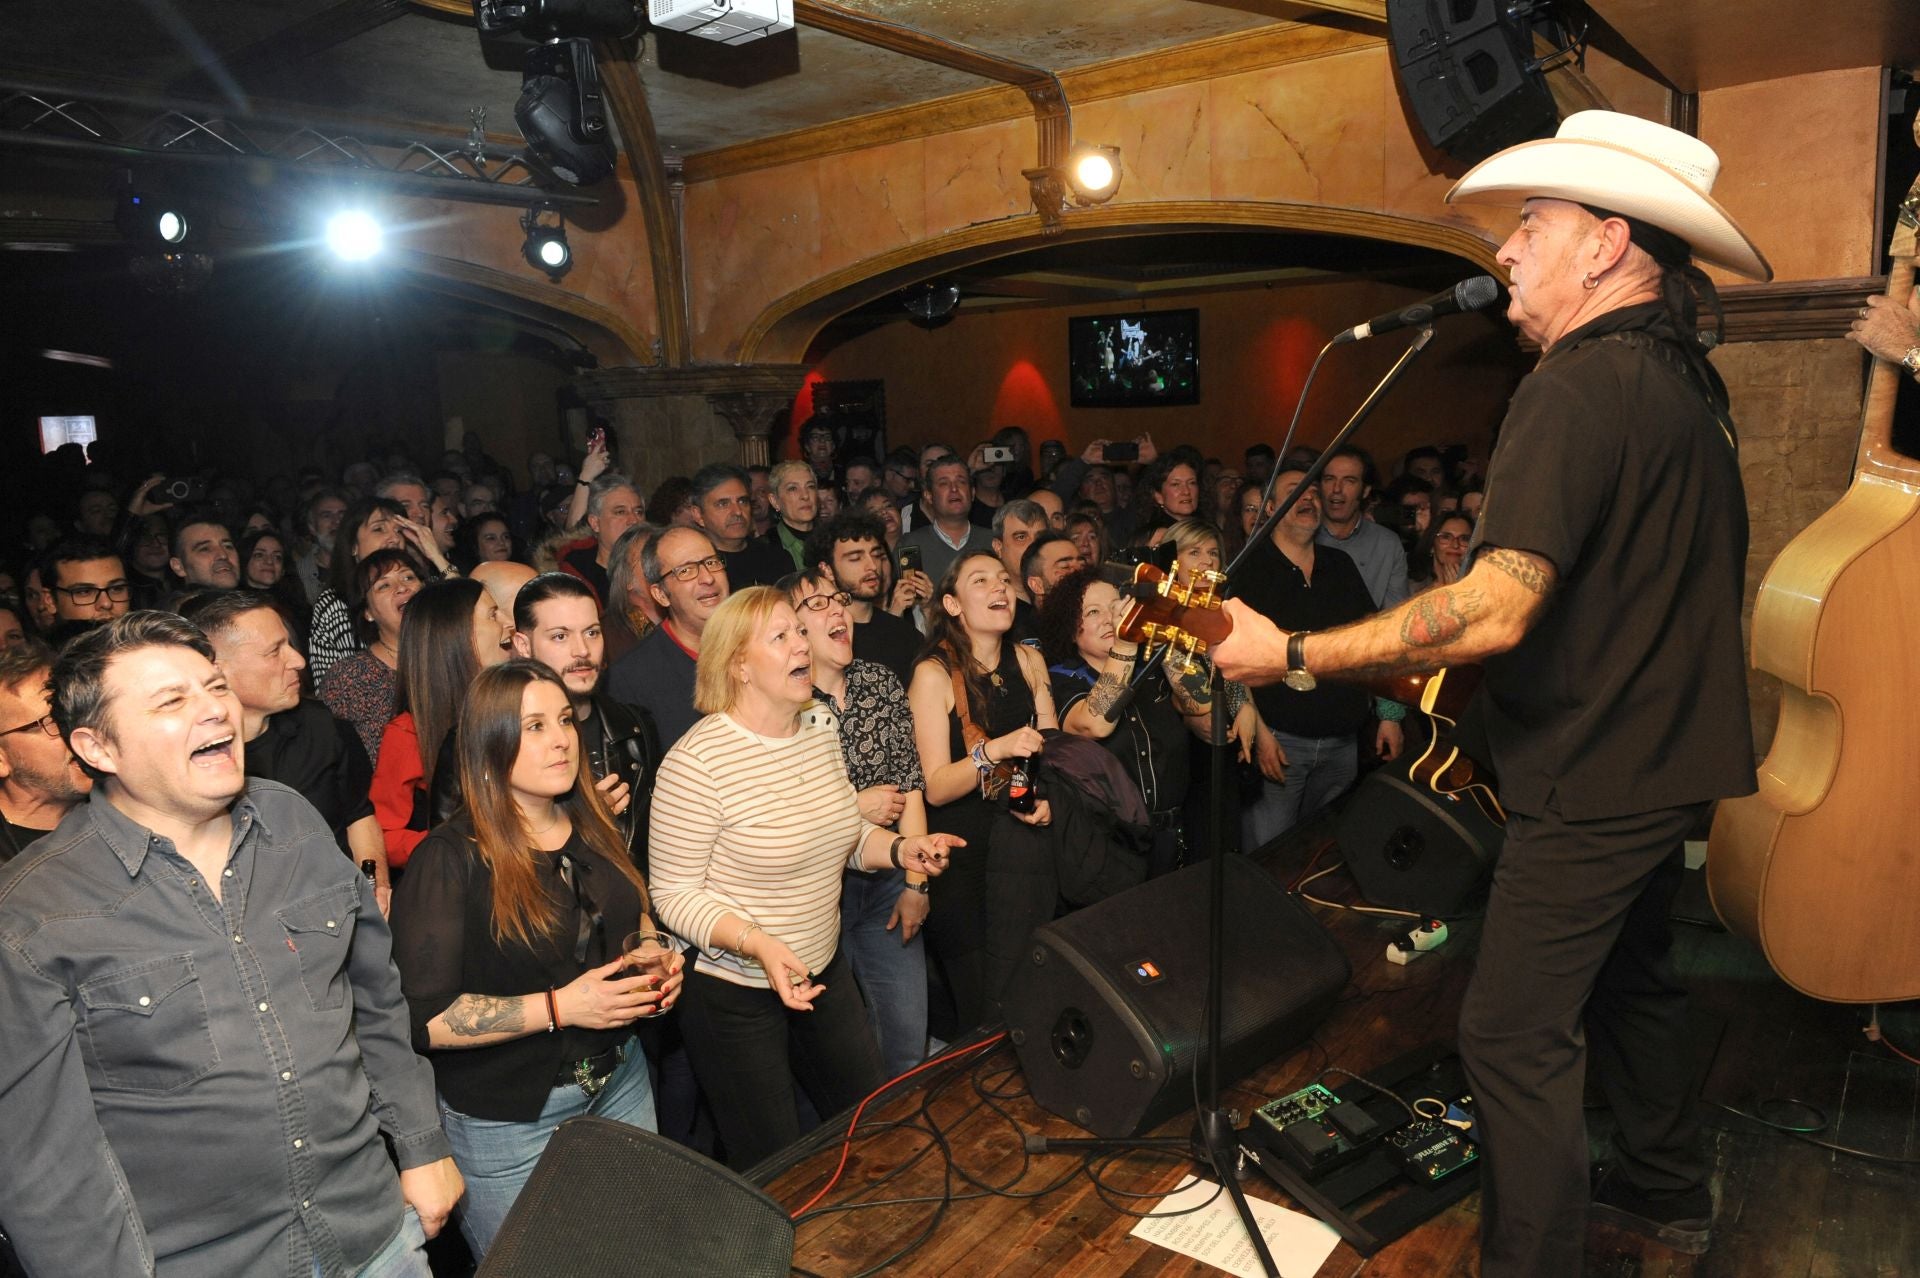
[[652, 955]]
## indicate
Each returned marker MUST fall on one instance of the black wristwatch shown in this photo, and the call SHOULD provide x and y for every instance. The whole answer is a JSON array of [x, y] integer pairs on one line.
[[1297, 676], [924, 887]]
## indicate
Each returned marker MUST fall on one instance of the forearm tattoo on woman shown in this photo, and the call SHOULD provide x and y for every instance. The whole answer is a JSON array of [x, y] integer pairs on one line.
[[474, 1014]]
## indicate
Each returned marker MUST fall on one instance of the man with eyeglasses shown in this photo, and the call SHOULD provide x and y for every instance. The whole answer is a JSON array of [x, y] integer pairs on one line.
[[87, 582], [688, 579], [40, 780]]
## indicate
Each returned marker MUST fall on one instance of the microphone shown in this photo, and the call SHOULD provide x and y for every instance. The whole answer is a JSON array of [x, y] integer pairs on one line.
[[1475, 294]]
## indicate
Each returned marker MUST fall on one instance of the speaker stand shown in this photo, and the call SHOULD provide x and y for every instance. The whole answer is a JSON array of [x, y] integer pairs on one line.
[[1213, 1142]]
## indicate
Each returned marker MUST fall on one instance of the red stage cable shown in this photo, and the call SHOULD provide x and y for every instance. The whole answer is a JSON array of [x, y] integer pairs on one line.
[[846, 1146]]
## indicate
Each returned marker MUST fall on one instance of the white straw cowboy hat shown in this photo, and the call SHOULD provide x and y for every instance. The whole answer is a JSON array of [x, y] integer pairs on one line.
[[1625, 165]]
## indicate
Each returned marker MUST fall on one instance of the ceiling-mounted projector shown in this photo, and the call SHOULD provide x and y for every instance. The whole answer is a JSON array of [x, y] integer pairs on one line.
[[724, 21]]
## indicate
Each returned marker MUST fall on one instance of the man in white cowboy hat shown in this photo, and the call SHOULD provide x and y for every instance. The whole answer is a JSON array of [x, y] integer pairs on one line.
[[1604, 602]]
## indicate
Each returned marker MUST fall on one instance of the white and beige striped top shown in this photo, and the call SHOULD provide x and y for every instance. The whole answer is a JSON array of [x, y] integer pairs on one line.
[[755, 826]]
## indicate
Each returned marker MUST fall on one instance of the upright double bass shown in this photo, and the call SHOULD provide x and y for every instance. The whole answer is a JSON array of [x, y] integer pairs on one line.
[[1821, 867]]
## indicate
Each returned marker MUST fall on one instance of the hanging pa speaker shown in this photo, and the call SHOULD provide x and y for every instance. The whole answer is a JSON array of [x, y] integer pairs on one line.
[[1468, 70], [598, 1182], [1106, 1011], [1411, 849]]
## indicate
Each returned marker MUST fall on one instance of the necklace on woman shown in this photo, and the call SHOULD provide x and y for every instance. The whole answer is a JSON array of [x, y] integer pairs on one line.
[[378, 644], [548, 828]]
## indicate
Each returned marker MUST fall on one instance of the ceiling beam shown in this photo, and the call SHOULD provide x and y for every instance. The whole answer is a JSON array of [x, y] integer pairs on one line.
[[627, 100], [332, 25]]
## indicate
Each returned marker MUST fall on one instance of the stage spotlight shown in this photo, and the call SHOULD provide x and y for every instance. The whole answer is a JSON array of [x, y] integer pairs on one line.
[[562, 113], [546, 247], [1094, 173], [354, 236], [145, 219]]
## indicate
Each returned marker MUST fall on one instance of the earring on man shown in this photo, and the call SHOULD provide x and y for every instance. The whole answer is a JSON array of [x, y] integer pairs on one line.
[[1591, 282]]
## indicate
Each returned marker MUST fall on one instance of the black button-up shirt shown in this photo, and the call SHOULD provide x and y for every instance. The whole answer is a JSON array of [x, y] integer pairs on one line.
[[197, 1085]]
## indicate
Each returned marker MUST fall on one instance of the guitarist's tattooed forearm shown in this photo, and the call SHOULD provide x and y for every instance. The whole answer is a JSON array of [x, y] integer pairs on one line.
[[1523, 568], [1439, 617]]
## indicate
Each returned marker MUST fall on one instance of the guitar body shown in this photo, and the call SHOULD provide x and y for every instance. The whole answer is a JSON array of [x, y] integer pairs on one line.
[[1821, 867]]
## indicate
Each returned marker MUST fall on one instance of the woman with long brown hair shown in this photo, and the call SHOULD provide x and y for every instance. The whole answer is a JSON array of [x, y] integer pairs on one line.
[[507, 931], [979, 702], [451, 632]]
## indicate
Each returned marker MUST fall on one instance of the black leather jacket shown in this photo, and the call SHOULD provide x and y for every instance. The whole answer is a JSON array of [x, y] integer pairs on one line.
[[617, 735]]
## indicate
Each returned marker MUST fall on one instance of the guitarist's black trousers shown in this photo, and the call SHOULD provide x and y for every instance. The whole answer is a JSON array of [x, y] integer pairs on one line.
[[1574, 975]]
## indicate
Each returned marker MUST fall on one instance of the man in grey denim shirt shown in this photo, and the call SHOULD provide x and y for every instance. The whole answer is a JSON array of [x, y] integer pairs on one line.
[[202, 1035]]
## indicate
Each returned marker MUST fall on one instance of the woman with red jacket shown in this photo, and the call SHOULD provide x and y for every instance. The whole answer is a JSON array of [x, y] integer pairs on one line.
[[452, 631]]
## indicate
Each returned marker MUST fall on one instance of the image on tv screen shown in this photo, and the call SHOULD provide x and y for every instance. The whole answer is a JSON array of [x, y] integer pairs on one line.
[[1128, 361]]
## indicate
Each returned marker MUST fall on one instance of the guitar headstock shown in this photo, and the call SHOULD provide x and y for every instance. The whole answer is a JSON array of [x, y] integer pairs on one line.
[[1161, 608]]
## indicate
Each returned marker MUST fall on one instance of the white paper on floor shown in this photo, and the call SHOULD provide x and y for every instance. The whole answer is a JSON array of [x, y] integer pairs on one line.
[[1214, 1235]]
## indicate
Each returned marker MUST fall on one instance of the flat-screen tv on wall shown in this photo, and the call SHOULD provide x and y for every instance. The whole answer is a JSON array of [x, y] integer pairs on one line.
[[1134, 361]]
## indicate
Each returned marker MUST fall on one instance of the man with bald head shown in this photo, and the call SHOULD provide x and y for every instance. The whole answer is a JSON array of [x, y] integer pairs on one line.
[[502, 579]]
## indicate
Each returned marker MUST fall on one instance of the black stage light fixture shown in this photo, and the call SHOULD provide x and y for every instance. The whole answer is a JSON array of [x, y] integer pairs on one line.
[[932, 303], [546, 248], [557, 19], [563, 114], [144, 218]]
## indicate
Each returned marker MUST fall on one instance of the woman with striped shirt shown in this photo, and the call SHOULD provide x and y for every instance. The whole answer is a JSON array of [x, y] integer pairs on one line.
[[753, 821]]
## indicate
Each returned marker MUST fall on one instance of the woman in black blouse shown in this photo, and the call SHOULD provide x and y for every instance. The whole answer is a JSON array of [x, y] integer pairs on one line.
[[507, 931], [1009, 704]]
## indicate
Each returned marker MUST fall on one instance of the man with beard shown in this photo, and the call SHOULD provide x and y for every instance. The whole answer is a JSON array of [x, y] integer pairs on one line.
[[40, 780], [852, 553], [203, 555], [556, 621], [689, 581], [723, 503]]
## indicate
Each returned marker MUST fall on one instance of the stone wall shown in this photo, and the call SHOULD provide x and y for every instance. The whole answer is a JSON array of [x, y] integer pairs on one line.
[[1797, 406]]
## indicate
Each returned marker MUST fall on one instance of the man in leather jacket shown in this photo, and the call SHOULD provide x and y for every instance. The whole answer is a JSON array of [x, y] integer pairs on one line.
[[556, 622]]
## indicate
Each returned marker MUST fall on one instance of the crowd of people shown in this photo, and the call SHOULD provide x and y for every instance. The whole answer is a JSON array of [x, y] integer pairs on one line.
[[337, 810]]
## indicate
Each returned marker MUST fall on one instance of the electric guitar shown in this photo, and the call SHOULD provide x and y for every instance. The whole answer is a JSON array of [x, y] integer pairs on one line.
[[1188, 619]]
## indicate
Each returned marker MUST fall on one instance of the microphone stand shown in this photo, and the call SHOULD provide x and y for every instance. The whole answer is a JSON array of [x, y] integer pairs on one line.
[[1213, 1141]]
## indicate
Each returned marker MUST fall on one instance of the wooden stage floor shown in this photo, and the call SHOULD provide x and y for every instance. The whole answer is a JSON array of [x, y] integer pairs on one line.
[[1787, 1208]]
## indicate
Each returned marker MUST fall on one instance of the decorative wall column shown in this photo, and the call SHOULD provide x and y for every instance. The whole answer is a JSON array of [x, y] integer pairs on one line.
[[672, 421]]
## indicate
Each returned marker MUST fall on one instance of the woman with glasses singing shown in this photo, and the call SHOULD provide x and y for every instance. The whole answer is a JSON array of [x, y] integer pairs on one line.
[[507, 930], [753, 821], [881, 911]]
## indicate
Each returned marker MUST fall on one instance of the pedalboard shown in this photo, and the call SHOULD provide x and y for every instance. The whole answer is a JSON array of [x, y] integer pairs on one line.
[[1429, 1152], [1314, 1129]]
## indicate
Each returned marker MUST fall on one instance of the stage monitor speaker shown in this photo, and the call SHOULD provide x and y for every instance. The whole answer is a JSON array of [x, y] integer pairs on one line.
[[1467, 67], [1106, 1011], [1411, 849], [607, 1200]]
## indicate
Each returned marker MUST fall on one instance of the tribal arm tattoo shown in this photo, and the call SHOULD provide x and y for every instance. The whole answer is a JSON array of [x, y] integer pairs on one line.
[[1486, 612]]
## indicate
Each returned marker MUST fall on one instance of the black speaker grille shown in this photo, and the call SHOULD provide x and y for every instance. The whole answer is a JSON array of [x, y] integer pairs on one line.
[[607, 1199]]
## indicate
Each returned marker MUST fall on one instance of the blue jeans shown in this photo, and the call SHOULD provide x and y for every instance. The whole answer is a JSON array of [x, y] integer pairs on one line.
[[892, 976], [1318, 770], [497, 1157], [404, 1256]]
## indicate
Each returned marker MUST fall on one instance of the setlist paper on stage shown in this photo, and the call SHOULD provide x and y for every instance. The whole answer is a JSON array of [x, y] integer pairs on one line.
[[1214, 1235]]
